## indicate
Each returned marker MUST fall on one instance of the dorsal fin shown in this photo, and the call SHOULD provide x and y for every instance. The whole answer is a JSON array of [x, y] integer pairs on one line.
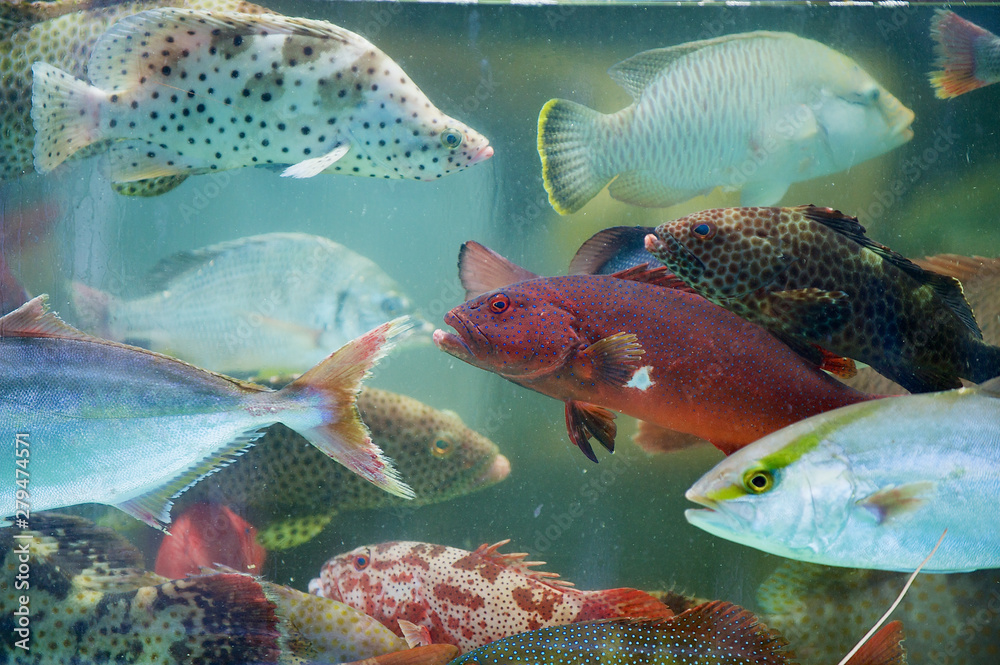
[[618, 246], [482, 270], [635, 73], [515, 561], [947, 288], [658, 276]]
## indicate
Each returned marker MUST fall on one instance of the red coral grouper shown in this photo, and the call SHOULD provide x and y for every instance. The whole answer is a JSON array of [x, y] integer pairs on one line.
[[467, 598], [205, 535], [659, 354]]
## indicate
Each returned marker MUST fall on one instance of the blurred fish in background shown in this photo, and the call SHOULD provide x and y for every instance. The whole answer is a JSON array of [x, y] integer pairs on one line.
[[267, 305], [753, 112], [968, 57], [206, 535]]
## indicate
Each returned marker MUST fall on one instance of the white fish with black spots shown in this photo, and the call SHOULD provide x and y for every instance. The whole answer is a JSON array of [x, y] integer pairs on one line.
[[754, 111], [186, 92], [871, 485], [271, 304]]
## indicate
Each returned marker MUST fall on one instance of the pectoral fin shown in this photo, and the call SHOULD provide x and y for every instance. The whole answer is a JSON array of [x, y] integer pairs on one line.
[[843, 368], [892, 502], [311, 167], [810, 312], [763, 193], [613, 359], [585, 421]]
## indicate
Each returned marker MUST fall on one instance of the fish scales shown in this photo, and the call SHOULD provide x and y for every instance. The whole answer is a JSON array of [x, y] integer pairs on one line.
[[271, 304], [811, 274], [63, 33], [702, 370], [90, 404], [290, 491], [212, 91], [467, 598], [753, 111]]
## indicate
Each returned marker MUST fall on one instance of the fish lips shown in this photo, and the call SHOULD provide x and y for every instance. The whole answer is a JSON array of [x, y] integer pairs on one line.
[[484, 153], [465, 344], [671, 252]]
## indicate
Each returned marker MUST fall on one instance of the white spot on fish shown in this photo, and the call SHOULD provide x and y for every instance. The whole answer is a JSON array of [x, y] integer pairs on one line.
[[641, 378]]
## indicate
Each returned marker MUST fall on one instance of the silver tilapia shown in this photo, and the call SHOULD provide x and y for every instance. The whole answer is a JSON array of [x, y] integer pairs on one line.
[[102, 422], [185, 92], [273, 304], [754, 111]]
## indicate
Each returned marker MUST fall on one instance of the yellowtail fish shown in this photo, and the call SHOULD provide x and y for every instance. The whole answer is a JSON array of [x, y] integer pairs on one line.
[[870, 485], [949, 619], [186, 92], [62, 33], [270, 304], [813, 277], [102, 422], [754, 112], [290, 491], [91, 579], [967, 56], [715, 633]]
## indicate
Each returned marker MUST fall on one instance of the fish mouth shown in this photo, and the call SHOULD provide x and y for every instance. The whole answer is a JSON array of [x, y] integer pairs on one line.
[[484, 153], [670, 251], [498, 470]]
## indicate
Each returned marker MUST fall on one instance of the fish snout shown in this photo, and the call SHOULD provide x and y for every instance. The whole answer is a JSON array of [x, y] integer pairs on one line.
[[495, 472], [482, 155], [669, 250]]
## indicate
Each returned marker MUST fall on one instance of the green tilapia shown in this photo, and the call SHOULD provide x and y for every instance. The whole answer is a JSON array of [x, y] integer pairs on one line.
[[753, 112], [62, 33], [100, 422], [813, 277], [86, 600], [184, 92], [289, 490], [871, 485], [272, 304]]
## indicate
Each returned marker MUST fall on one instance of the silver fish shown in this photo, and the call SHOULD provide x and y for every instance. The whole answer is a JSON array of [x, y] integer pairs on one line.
[[95, 421], [184, 92], [272, 304]]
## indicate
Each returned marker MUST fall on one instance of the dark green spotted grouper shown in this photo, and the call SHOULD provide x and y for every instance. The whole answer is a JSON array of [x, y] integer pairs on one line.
[[814, 278]]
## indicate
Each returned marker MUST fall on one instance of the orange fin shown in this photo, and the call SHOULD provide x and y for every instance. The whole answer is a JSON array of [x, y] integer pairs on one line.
[[732, 630], [839, 366], [655, 439], [657, 276], [435, 654], [415, 636], [955, 41], [515, 561], [622, 603], [337, 381], [892, 502], [884, 647], [966, 269], [585, 421], [482, 270], [614, 358]]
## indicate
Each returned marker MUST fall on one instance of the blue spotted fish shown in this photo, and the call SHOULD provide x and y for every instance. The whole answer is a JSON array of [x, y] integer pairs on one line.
[[715, 633]]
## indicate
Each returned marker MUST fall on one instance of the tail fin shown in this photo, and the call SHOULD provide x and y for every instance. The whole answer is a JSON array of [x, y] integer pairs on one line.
[[884, 647], [93, 309], [66, 115], [985, 363], [336, 382], [566, 145], [955, 42]]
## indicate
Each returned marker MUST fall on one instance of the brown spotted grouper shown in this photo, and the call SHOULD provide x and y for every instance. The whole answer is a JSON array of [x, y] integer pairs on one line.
[[814, 278]]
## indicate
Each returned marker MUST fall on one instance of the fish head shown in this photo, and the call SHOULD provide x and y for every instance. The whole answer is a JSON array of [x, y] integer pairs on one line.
[[442, 458], [790, 493], [722, 253], [858, 118], [521, 332], [364, 304]]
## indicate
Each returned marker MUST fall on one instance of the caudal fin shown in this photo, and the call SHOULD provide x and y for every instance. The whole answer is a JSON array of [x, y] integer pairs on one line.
[[955, 42], [65, 112], [335, 383], [566, 144], [985, 363], [884, 648]]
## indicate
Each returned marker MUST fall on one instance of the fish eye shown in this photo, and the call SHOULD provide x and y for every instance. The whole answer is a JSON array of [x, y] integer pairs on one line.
[[451, 138], [499, 303], [362, 560], [758, 481], [392, 305], [441, 448], [704, 230]]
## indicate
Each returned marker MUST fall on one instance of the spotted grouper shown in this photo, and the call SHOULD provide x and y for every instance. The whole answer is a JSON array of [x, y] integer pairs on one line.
[[184, 92], [467, 598], [812, 276], [660, 354]]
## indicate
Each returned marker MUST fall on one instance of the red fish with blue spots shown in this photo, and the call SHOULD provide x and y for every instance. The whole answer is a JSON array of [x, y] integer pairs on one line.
[[632, 343]]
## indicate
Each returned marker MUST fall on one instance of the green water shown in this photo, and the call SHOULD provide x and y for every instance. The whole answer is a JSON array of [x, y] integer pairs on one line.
[[618, 523]]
